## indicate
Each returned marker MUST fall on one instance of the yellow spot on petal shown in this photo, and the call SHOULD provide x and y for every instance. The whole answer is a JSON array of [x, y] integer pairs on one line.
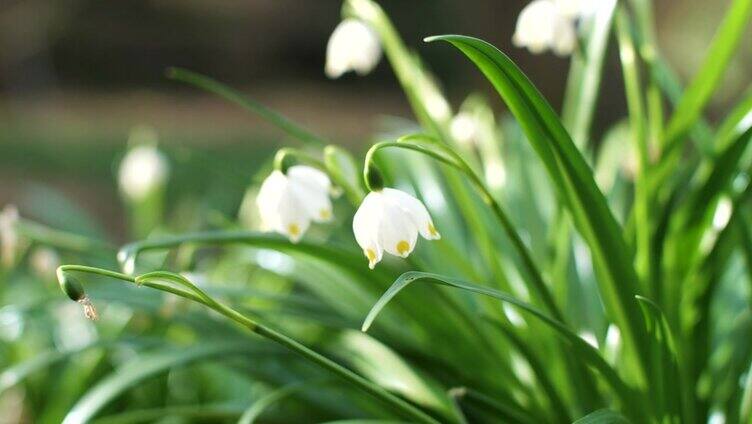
[[325, 214], [432, 230], [403, 248], [371, 255], [294, 230]]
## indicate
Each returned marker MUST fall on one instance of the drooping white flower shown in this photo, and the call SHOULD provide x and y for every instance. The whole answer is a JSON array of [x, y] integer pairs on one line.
[[143, 170], [390, 220], [543, 25], [574, 9], [464, 128], [9, 238], [289, 202], [353, 46]]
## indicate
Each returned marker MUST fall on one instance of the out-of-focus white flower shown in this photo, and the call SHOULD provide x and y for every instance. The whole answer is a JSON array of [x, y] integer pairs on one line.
[[390, 220], [353, 46], [44, 262], [496, 173], [722, 213], [9, 238], [143, 170], [434, 101], [543, 25], [574, 9], [464, 128], [289, 202]]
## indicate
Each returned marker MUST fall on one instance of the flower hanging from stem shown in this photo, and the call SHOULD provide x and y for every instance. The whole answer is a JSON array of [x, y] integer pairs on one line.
[[390, 220], [292, 196], [353, 46]]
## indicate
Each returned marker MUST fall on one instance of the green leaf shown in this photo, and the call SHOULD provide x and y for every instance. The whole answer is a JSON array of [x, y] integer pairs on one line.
[[585, 74], [261, 404], [343, 168], [575, 184], [141, 368], [385, 367], [330, 252], [588, 354], [665, 378], [280, 121], [706, 80], [196, 413], [603, 416]]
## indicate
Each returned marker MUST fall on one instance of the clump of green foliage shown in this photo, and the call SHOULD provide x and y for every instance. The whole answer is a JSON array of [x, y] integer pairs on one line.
[[596, 281]]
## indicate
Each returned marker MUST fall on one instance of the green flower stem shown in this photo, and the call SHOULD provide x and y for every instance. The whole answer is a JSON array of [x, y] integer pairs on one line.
[[454, 160], [635, 103], [296, 155], [149, 280], [288, 156], [421, 91]]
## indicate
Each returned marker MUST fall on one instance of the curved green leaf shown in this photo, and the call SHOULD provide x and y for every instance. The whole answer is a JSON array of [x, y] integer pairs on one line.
[[575, 184], [589, 354], [261, 404], [665, 377], [292, 129], [331, 253], [707, 78], [382, 365], [142, 368], [603, 416]]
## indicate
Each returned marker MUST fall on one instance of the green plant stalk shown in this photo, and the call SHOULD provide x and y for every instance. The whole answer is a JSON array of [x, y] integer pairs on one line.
[[191, 292], [539, 286], [222, 90], [639, 127], [296, 155], [411, 75], [648, 50], [719, 55]]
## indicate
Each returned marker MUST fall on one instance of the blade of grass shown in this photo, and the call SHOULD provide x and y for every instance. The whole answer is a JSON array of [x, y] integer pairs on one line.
[[280, 121], [575, 184], [142, 368], [603, 416], [587, 352], [727, 38]]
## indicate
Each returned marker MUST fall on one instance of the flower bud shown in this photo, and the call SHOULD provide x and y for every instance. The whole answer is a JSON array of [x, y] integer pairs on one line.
[[70, 286]]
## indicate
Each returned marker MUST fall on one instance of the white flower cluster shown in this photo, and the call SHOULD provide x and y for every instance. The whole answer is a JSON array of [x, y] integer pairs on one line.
[[551, 25], [387, 219]]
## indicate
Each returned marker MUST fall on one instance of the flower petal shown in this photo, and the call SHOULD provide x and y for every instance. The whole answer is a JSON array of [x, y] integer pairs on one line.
[[309, 176], [365, 227], [417, 212], [353, 46], [397, 231]]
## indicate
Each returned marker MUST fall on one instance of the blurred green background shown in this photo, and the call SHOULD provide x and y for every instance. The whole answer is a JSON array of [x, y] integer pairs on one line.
[[77, 75]]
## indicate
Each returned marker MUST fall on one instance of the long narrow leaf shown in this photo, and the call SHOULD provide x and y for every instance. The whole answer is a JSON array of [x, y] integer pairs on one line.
[[569, 171], [588, 353]]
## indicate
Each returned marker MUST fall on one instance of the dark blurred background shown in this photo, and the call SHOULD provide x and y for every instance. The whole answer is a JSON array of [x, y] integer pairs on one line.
[[77, 75]]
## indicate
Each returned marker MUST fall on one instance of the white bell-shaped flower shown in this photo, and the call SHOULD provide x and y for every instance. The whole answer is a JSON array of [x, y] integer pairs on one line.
[[390, 220], [464, 128], [143, 170], [353, 46], [289, 202], [542, 25]]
